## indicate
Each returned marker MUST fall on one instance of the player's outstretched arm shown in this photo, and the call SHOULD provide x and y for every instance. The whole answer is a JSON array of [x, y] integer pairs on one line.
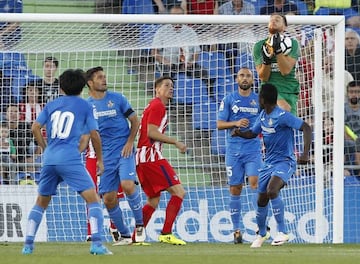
[[153, 133], [36, 130], [244, 134], [307, 135]]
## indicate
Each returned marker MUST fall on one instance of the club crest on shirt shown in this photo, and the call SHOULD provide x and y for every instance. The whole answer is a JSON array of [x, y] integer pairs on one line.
[[253, 102], [110, 104], [270, 122]]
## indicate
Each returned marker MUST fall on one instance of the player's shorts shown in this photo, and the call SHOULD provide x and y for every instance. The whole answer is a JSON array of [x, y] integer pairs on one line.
[[156, 176], [284, 170], [291, 99], [92, 169], [117, 170], [74, 175], [240, 165]]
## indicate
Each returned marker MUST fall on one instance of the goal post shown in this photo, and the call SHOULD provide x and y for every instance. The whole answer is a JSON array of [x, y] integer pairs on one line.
[[314, 197]]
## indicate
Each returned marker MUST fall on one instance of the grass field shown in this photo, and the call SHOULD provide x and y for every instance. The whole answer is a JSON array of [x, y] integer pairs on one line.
[[69, 253]]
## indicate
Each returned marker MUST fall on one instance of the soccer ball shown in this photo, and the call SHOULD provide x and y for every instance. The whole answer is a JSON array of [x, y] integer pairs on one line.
[[285, 44]]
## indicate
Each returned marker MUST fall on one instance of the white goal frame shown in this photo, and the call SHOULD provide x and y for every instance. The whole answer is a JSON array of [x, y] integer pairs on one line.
[[339, 25]]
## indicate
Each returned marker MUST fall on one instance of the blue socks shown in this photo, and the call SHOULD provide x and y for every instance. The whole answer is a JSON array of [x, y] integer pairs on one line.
[[135, 204], [96, 220], [235, 210], [34, 221], [116, 216], [261, 215], [277, 205]]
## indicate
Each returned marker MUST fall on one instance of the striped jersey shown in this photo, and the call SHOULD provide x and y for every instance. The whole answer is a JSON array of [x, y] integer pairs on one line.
[[149, 150]]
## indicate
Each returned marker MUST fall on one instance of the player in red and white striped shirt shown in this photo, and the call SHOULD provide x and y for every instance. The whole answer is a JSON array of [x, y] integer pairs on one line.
[[154, 171]]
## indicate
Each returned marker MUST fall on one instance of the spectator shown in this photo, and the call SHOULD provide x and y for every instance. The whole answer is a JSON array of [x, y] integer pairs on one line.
[[49, 84], [10, 32], [273, 66], [7, 155], [352, 121], [328, 83], [201, 7], [280, 7], [237, 7], [20, 134], [32, 106], [168, 4], [171, 59], [352, 53]]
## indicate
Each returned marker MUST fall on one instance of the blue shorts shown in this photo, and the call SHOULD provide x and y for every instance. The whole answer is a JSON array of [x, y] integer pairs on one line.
[[76, 176], [240, 165], [117, 170], [284, 170]]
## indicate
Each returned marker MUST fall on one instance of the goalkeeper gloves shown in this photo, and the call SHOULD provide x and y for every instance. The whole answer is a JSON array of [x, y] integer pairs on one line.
[[274, 41], [267, 53]]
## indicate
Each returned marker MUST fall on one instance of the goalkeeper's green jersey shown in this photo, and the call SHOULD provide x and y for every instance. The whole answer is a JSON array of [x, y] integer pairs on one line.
[[285, 84]]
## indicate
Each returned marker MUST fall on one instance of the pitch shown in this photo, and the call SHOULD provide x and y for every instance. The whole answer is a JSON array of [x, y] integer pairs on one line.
[[74, 253]]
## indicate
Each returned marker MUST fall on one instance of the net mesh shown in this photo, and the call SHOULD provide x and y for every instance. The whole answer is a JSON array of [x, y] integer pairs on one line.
[[125, 51]]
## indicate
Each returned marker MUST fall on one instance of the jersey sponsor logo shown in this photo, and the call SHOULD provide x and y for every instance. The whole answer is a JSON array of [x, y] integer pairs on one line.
[[106, 113], [270, 130]]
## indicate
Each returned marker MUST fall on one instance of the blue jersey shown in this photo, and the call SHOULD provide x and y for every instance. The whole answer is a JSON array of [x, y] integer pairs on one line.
[[233, 108], [278, 134], [112, 112], [66, 119]]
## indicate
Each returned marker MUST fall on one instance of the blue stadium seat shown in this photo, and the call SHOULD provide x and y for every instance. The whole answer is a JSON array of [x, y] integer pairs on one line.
[[189, 90], [222, 87], [205, 115], [302, 7], [215, 63], [218, 142], [14, 66], [258, 4]]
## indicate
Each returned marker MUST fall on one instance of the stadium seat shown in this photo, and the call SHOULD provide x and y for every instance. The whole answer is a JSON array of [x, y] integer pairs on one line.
[[218, 142], [205, 115], [302, 7], [258, 4], [222, 87], [189, 90], [215, 63]]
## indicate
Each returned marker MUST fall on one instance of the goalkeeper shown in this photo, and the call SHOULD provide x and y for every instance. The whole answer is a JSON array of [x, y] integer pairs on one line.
[[274, 67]]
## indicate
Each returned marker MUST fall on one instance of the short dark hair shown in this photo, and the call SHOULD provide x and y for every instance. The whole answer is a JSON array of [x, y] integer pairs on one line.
[[269, 93], [354, 83], [53, 60], [161, 79], [72, 81], [90, 73]]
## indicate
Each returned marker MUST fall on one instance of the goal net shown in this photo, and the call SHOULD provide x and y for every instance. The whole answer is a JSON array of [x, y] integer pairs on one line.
[[123, 45]]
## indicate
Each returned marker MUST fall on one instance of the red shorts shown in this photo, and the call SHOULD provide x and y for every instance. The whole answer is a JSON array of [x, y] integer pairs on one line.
[[92, 169], [156, 176]]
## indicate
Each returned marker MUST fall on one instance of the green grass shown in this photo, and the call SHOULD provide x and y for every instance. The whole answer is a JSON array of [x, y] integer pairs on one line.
[[191, 253]]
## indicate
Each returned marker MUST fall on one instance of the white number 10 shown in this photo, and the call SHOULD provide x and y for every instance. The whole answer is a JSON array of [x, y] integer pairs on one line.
[[61, 124]]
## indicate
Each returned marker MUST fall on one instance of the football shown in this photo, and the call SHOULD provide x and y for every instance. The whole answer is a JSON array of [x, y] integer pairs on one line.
[[285, 44]]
